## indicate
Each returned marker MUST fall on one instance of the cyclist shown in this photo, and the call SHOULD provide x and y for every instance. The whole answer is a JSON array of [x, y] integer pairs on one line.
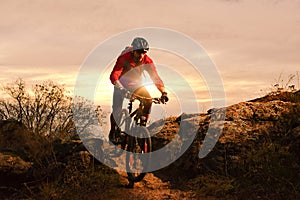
[[127, 76]]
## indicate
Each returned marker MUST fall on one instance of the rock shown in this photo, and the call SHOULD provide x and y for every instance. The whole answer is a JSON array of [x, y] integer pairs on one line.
[[15, 137], [185, 116], [248, 127], [13, 168], [13, 164]]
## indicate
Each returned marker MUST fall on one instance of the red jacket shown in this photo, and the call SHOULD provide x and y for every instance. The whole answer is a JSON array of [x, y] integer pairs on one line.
[[130, 74]]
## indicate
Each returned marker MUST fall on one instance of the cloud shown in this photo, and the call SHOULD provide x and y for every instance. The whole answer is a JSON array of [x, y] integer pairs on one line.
[[34, 74]]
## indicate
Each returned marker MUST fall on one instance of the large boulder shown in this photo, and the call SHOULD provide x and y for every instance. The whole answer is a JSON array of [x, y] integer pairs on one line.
[[257, 137], [246, 125]]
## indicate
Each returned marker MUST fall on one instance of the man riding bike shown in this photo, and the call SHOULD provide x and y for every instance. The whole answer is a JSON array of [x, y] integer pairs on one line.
[[127, 76]]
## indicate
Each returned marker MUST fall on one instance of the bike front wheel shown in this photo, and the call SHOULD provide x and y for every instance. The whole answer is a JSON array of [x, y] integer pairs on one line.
[[138, 155]]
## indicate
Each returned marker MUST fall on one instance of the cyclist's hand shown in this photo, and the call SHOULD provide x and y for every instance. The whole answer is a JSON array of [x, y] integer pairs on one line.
[[164, 97]]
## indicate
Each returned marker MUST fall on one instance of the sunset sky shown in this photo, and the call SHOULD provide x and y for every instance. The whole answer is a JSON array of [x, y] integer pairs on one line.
[[251, 42]]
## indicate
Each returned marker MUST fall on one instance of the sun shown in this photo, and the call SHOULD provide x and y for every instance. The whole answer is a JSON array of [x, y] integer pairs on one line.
[[150, 86]]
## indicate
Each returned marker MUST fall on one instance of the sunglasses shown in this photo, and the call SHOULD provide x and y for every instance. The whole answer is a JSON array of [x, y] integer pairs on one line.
[[140, 51]]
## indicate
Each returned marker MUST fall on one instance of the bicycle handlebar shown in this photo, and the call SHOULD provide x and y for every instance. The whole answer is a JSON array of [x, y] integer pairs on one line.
[[131, 96]]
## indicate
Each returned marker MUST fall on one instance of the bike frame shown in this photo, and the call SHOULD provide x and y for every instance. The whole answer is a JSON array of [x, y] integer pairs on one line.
[[137, 114]]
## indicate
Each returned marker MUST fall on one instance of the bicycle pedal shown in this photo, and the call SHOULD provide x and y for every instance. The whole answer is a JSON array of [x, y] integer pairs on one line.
[[115, 141]]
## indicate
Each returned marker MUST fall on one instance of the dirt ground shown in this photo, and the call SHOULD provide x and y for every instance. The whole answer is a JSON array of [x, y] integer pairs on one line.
[[151, 187]]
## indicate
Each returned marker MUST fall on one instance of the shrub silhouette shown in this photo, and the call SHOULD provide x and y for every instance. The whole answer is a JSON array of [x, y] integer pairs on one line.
[[46, 109]]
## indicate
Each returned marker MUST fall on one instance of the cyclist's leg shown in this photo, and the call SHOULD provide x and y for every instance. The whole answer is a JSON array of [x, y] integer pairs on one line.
[[116, 111]]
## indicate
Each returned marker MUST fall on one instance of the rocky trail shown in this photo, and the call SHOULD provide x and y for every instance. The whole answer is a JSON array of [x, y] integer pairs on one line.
[[152, 187]]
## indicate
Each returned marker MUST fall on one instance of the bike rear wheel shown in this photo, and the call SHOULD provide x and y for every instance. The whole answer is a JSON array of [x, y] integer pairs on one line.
[[138, 155]]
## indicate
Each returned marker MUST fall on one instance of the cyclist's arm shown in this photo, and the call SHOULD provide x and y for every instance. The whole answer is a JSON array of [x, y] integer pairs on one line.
[[117, 71], [151, 69], [161, 88]]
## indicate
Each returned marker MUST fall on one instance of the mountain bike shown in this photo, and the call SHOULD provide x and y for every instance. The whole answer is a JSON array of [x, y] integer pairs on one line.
[[133, 137]]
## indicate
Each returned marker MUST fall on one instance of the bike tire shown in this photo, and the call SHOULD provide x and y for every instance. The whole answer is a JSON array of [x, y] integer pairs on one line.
[[137, 146]]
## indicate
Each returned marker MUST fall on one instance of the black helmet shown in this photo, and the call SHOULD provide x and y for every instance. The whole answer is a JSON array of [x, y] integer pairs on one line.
[[139, 43]]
